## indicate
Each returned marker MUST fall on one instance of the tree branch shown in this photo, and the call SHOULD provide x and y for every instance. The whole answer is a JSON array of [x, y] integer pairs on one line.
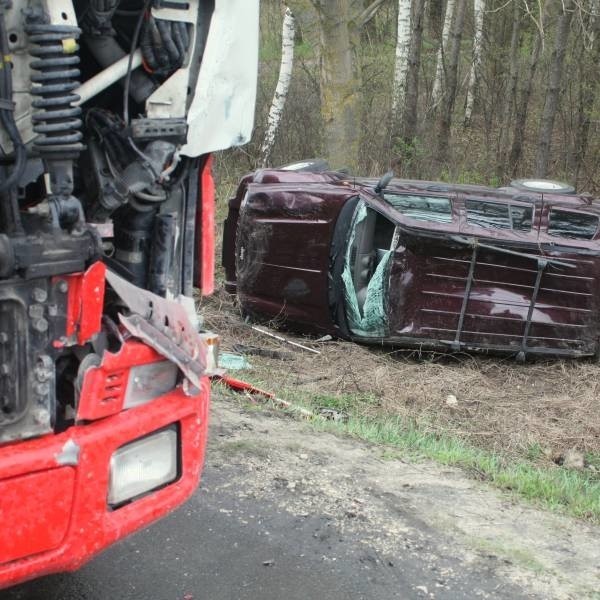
[[368, 13]]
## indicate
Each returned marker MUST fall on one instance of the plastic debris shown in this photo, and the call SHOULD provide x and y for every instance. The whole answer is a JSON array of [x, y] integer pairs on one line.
[[282, 339], [233, 362]]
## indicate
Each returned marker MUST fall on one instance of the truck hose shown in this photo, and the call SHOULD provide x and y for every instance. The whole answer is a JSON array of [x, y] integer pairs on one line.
[[7, 117]]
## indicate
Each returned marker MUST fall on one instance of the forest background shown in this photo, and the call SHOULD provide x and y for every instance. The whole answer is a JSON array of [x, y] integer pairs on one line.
[[511, 93], [470, 91]]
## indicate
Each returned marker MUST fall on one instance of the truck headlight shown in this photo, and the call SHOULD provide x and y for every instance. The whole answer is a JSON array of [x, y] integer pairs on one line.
[[149, 381], [143, 465]]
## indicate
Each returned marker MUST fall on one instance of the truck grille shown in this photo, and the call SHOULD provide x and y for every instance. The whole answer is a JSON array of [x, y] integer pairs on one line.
[[29, 311]]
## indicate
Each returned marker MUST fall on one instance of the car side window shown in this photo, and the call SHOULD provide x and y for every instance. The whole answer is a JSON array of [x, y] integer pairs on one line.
[[572, 225], [422, 208], [493, 215], [521, 217]]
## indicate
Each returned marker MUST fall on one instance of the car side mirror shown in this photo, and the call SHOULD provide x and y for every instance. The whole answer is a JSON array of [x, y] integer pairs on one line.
[[384, 182]]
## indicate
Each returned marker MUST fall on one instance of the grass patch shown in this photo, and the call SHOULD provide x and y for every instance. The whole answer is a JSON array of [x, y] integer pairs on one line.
[[555, 488], [552, 487], [340, 402], [593, 460], [519, 556]]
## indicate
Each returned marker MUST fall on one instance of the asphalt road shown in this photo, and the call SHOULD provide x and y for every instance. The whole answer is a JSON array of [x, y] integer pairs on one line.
[[257, 529]]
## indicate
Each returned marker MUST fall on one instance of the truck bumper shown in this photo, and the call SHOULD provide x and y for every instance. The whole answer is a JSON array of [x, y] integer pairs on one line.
[[54, 514]]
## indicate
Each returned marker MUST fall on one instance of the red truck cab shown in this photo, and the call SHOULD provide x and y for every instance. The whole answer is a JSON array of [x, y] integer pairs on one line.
[[109, 114]]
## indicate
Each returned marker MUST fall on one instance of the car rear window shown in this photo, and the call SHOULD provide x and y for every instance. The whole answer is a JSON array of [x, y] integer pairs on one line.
[[572, 225], [493, 215], [422, 208]]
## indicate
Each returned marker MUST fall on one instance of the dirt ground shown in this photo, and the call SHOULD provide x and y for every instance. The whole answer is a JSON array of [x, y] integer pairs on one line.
[[437, 532], [287, 512], [536, 410]]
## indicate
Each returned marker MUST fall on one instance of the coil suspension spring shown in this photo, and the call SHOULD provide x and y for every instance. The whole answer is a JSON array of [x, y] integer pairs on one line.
[[57, 122]]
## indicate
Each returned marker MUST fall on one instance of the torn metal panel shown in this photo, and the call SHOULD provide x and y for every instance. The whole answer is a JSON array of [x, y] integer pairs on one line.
[[222, 112], [164, 325]]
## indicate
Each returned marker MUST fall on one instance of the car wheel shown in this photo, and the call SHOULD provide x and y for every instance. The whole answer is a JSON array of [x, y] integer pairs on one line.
[[544, 186], [309, 165]]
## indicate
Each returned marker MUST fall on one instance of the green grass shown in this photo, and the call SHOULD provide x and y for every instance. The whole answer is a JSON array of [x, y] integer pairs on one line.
[[552, 487], [340, 402], [519, 556], [593, 460]]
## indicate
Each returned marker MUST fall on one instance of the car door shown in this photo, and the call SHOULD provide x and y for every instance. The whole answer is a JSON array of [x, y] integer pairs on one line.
[[425, 220], [490, 281]]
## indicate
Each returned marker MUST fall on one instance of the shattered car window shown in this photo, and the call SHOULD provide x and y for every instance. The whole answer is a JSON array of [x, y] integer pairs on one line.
[[572, 225], [521, 217], [422, 208], [492, 215]]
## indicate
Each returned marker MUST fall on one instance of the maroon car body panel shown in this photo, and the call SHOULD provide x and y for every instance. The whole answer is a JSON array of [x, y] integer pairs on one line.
[[456, 283], [283, 240], [427, 292]]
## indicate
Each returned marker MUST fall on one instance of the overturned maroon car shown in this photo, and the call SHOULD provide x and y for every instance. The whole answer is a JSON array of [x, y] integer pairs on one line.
[[418, 264]]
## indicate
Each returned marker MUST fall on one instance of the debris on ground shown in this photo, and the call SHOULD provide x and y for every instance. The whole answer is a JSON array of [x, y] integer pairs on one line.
[[571, 459], [333, 415], [282, 339], [502, 406], [451, 400], [254, 392], [258, 351], [233, 362]]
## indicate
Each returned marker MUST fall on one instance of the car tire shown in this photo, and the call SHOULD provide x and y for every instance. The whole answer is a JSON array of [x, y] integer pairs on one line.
[[309, 165], [543, 186]]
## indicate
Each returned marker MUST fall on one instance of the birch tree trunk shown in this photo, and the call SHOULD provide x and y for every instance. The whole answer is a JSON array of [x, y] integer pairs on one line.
[[401, 65], [440, 68], [510, 97], [449, 97], [283, 85], [553, 90], [479, 11]]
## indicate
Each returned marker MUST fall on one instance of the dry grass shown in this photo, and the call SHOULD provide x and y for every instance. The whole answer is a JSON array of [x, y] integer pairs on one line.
[[535, 410]]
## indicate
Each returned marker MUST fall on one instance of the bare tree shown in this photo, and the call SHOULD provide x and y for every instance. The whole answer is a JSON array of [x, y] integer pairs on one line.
[[449, 97], [339, 25], [283, 85], [479, 11], [553, 89], [409, 118], [588, 85], [510, 97], [340, 82], [528, 78], [440, 69]]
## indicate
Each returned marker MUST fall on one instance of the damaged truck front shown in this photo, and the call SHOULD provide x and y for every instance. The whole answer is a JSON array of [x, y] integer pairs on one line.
[[109, 110]]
